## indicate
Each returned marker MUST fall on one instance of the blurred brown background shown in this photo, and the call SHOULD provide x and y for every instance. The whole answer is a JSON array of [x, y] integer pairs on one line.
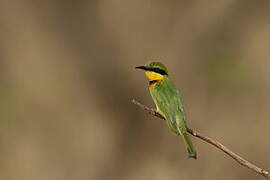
[[67, 77]]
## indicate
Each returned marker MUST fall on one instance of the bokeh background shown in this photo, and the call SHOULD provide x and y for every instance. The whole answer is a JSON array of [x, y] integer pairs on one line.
[[67, 79]]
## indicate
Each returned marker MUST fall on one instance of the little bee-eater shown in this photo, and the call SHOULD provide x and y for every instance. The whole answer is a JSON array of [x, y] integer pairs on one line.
[[168, 101]]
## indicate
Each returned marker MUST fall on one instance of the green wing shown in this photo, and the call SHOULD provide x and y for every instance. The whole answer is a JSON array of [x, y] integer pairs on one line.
[[182, 121], [168, 103]]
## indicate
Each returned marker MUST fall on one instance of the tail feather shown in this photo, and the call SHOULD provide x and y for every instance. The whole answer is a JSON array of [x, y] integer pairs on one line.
[[190, 148]]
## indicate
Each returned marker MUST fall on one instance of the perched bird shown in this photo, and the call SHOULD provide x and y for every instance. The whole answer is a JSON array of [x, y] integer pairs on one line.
[[168, 101]]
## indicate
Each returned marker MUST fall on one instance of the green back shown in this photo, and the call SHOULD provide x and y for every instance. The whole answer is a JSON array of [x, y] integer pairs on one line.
[[169, 104]]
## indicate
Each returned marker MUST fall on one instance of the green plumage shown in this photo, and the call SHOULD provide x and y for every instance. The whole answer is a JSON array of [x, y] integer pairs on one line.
[[169, 103]]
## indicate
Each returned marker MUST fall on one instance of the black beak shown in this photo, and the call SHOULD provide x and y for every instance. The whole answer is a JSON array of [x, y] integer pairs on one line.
[[141, 67]]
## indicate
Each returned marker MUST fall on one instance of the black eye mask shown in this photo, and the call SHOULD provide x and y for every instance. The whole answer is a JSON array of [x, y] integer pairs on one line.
[[157, 70]]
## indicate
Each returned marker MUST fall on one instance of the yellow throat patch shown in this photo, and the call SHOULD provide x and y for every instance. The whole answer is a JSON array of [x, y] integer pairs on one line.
[[153, 76]]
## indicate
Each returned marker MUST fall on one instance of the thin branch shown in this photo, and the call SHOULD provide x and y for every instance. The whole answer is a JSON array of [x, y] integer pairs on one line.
[[215, 143]]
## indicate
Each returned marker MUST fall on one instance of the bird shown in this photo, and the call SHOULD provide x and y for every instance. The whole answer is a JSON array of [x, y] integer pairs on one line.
[[168, 101]]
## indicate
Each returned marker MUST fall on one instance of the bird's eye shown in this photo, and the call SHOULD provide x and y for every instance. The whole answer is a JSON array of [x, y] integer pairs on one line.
[[160, 71]]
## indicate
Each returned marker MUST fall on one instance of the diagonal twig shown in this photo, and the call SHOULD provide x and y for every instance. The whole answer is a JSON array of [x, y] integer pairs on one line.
[[215, 143]]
